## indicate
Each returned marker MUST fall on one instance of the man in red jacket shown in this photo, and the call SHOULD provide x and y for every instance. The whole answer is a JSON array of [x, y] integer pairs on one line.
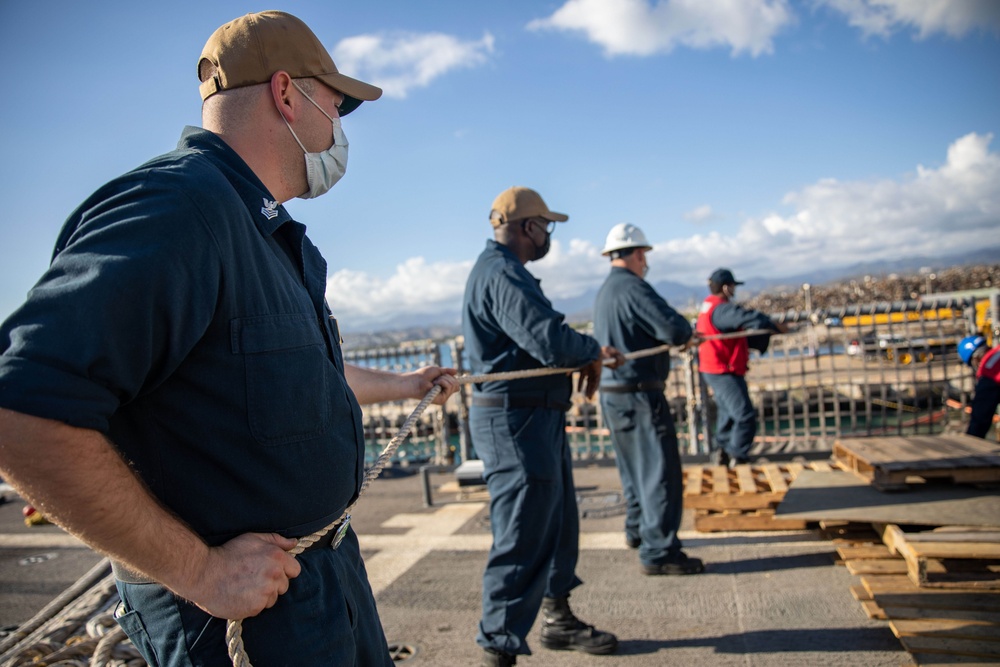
[[976, 354], [723, 365]]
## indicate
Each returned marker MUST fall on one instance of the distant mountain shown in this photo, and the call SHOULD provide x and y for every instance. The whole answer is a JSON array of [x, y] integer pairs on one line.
[[687, 297], [682, 297], [990, 255]]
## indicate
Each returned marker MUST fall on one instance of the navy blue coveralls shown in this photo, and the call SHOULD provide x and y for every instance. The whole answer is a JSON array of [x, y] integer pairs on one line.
[[519, 431], [631, 316], [183, 316]]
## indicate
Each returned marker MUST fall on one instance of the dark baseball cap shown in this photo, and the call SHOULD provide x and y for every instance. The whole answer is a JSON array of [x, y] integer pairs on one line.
[[724, 277]]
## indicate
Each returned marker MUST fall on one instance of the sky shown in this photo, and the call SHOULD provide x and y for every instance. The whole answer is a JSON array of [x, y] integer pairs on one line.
[[773, 137]]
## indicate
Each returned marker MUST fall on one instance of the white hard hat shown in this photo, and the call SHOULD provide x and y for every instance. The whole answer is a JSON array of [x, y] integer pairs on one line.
[[623, 236]]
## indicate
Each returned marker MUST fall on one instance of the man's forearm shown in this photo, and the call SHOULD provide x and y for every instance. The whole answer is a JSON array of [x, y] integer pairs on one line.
[[76, 477], [376, 386]]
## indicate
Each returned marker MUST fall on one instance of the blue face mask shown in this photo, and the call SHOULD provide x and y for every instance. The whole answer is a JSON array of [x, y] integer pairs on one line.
[[323, 170]]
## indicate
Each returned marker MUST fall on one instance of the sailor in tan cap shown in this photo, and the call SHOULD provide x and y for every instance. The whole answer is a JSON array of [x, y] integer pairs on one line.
[[519, 431], [199, 416]]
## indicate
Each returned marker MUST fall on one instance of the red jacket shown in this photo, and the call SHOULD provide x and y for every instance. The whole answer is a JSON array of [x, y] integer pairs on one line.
[[989, 367], [719, 356]]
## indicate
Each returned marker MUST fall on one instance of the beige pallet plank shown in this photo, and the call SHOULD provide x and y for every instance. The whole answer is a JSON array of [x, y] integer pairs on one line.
[[775, 477], [945, 660], [695, 475], [708, 522], [896, 590], [877, 566], [937, 562], [969, 647], [920, 613], [939, 627], [864, 551]]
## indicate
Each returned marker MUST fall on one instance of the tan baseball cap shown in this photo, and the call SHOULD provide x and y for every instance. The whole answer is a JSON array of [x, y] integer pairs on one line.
[[518, 203], [250, 49]]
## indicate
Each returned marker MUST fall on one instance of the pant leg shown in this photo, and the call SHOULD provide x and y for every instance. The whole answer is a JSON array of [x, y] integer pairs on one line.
[[644, 437], [524, 466], [984, 406], [732, 396], [723, 420], [562, 570], [618, 423], [327, 617]]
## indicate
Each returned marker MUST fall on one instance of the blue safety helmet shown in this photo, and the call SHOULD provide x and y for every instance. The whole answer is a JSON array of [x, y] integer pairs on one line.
[[968, 346]]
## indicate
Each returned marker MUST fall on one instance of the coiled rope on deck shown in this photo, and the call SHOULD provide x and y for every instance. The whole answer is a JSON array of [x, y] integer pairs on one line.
[[234, 628]]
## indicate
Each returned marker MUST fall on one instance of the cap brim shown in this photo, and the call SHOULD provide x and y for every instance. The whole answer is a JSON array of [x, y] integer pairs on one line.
[[355, 92], [555, 217]]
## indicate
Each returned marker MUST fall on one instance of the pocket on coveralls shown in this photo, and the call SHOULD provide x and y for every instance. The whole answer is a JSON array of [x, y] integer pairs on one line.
[[288, 396], [133, 626]]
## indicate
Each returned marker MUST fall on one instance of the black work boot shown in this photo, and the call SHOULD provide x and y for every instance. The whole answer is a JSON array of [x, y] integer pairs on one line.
[[494, 658], [719, 457], [561, 630]]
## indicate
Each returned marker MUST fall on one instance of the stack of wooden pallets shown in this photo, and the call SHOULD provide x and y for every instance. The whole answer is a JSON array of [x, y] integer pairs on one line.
[[937, 586], [742, 498], [938, 589]]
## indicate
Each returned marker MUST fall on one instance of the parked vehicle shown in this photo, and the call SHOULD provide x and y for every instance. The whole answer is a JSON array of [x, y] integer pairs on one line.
[[894, 347]]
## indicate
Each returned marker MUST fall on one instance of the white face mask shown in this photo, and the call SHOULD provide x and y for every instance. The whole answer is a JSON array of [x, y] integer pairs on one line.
[[323, 170]]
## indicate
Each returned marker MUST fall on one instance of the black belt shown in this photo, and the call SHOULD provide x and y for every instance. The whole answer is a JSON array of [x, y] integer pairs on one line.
[[516, 401], [128, 576], [632, 388]]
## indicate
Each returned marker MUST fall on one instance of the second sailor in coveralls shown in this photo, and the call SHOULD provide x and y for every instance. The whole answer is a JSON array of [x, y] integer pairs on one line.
[[519, 431], [631, 316]]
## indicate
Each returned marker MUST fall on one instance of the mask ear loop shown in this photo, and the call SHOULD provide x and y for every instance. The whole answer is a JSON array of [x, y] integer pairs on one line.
[[335, 121], [289, 126]]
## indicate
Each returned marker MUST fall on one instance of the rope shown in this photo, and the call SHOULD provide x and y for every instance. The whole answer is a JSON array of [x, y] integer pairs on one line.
[[50, 611], [106, 643], [639, 354], [234, 628]]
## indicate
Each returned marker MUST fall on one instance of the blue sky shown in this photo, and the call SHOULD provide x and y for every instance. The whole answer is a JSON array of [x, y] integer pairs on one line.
[[770, 136]]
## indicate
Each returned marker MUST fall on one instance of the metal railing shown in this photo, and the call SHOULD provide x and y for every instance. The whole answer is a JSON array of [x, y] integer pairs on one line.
[[870, 370], [429, 438]]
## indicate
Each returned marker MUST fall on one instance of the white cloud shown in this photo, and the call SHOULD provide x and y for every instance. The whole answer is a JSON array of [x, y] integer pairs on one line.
[[701, 215], [415, 288], [951, 209], [641, 28], [400, 62], [935, 211], [955, 18], [570, 271]]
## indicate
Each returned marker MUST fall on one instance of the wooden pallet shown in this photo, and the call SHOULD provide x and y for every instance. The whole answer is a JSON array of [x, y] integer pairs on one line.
[[707, 521], [892, 463], [935, 625], [745, 487], [742, 498], [950, 557]]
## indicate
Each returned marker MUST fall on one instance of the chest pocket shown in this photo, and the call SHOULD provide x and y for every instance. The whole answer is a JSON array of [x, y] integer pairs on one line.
[[287, 376]]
